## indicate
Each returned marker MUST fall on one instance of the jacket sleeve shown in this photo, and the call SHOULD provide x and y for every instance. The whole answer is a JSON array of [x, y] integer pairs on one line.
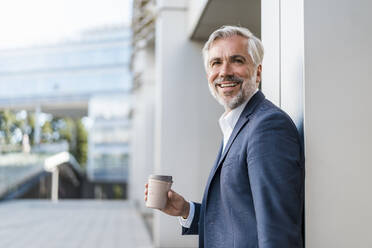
[[276, 173], [194, 228]]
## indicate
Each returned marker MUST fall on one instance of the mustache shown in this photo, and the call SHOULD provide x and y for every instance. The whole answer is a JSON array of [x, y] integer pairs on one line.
[[233, 79]]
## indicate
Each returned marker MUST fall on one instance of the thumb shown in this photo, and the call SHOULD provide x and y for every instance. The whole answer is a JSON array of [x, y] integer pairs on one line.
[[170, 194]]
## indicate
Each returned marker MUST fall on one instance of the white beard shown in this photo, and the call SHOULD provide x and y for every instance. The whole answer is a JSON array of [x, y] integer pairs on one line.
[[247, 89]]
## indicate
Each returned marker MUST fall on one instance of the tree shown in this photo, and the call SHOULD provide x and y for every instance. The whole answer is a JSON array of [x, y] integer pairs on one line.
[[74, 132], [81, 151], [71, 130]]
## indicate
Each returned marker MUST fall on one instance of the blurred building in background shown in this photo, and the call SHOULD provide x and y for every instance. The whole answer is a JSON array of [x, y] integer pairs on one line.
[[109, 145], [87, 78], [316, 68]]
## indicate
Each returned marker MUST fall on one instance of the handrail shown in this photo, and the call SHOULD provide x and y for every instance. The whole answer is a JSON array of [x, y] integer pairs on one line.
[[53, 164]]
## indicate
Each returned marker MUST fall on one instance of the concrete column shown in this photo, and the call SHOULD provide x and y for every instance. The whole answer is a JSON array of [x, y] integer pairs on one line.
[[142, 141], [187, 135], [270, 33], [338, 123], [55, 184], [292, 60], [283, 39]]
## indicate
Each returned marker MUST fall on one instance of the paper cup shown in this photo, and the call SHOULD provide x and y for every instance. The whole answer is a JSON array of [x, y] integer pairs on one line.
[[157, 191]]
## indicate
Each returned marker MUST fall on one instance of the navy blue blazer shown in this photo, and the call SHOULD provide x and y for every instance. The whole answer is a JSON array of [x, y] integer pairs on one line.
[[254, 196]]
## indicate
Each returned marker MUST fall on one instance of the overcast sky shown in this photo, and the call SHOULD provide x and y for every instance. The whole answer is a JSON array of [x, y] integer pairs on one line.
[[27, 22]]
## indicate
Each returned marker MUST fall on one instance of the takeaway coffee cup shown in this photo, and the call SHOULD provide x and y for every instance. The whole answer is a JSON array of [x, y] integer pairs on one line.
[[157, 191]]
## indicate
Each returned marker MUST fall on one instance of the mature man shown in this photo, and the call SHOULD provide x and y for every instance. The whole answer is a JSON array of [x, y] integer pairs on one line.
[[254, 196]]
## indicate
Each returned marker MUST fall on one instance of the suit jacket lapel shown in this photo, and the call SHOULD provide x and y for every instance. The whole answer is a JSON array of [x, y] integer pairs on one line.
[[239, 125], [243, 119]]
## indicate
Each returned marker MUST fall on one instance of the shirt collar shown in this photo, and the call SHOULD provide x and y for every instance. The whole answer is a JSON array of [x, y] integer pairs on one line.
[[229, 119]]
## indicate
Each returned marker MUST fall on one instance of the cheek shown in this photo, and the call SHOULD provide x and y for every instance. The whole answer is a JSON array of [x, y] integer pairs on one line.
[[211, 77], [245, 72]]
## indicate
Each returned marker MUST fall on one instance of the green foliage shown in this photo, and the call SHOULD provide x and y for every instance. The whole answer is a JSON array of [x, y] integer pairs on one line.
[[118, 191], [10, 126], [31, 127], [47, 132], [71, 130], [81, 150], [5, 125], [67, 131], [74, 132]]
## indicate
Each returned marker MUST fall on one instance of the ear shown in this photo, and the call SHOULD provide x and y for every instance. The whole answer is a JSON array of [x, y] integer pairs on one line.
[[259, 73]]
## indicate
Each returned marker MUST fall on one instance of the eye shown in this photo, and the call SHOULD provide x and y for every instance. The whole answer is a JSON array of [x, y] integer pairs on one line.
[[215, 62], [239, 61]]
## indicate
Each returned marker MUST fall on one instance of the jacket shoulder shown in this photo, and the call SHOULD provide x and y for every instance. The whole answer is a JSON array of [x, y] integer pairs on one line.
[[269, 111]]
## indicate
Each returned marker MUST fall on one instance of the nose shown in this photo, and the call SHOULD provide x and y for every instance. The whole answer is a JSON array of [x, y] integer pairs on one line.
[[226, 70]]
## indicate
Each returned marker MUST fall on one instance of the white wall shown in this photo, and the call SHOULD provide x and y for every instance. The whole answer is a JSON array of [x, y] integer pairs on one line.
[[282, 36], [187, 136], [270, 34], [338, 123], [292, 60]]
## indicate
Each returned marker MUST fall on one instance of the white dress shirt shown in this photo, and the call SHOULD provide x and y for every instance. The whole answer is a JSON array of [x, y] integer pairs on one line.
[[227, 123]]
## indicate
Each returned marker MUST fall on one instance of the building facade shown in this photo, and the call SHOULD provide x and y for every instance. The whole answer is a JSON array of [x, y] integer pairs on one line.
[[86, 76]]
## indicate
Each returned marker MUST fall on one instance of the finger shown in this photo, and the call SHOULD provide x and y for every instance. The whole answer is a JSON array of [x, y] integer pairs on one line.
[[146, 185], [170, 194], [146, 191], [145, 198]]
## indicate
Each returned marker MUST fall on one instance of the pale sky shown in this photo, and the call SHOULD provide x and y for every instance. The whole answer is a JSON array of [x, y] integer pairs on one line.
[[29, 22]]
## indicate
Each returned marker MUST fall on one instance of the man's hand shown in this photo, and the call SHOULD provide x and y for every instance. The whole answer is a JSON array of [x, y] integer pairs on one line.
[[176, 204]]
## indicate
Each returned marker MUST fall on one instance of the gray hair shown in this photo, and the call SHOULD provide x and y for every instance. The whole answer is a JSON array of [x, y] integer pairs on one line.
[[255, 47]]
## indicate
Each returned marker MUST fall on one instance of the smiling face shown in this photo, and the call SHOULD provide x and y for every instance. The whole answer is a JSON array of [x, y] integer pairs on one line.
[[232, 75]]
